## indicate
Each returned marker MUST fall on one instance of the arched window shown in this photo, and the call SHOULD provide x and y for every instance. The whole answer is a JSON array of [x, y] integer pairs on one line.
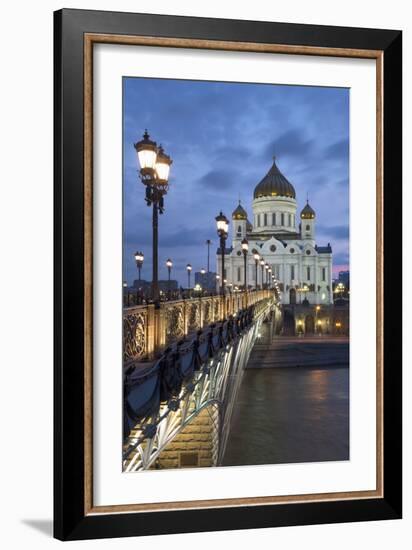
[[258, 220], [290, 220], [274, 218], [308, 273], [323, 273], [308, 227], [265, 219], [292, 272], [282, 219], [238, 274]]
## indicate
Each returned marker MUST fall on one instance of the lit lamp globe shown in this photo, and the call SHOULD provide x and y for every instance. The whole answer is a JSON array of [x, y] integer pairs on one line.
[[169, 264], [146, 150], [202, 271], [139, 258], [222, 225], [163, 163], [256, 257], [245, 245]]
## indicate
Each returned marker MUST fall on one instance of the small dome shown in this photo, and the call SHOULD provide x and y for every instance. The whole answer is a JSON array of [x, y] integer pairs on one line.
[[274, 184], [307, 213], [239, 213]]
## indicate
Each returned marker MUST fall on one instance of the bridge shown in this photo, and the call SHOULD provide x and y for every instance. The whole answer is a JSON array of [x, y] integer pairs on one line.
[[183, 366]]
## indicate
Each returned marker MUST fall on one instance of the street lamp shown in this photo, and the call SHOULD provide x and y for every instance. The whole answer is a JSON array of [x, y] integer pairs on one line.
[[208, 243], [222, 226], [262, 266], [305, 289], [139, 257], [169, 265], [266, 274], [245, 248], [126, 286], [256, 257], [189, 271], [270, 276], [154, 174], [318, 323]]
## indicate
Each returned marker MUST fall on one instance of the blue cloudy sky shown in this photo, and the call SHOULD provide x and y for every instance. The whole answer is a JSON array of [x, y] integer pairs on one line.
[[222, 137]]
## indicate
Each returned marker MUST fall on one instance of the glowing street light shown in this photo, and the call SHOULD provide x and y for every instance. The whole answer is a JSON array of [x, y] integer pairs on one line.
[[139, 259], [169, 265], [189, 271], [222, 226], [262, 267], [245, 248], [256, 257], [154, 174]]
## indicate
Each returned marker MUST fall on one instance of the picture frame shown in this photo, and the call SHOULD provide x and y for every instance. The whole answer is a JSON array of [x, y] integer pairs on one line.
[[76, 32]]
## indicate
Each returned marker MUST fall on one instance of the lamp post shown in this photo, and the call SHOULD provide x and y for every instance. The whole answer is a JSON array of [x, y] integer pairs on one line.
[[154, 174], [189, 271], [305, 289], [317, 323], [208, 243], [245, 248], [222, 226], [270, 276], [169, 265], [267, 275], [125, 286], [139, 258], [262, 266], [256, 257]]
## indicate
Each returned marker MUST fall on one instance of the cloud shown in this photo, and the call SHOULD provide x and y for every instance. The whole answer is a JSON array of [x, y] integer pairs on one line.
[[218, 180], [290, 144], [338, 151]]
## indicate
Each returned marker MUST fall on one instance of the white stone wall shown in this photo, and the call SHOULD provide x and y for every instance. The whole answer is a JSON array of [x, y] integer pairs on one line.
[[274, 214], [290, 264]]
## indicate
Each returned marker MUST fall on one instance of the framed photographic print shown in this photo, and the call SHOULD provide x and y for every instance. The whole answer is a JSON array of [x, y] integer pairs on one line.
[[227, 274]]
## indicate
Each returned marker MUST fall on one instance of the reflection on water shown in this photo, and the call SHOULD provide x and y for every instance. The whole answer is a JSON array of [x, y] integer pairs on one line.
[[290, 414]]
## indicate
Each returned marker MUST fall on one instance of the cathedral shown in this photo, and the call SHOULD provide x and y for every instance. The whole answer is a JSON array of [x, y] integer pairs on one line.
[[288, 244]]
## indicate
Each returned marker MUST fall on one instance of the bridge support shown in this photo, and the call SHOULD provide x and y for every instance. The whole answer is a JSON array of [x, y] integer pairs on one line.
[[196, 445]]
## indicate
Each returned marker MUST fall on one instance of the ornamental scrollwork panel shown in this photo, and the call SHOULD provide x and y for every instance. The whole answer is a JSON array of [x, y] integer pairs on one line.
[[175, 323], [134, 335], [193, 317], [207, 313]]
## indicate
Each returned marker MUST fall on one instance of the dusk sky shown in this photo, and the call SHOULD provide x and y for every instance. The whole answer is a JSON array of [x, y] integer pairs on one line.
[[222, 138]]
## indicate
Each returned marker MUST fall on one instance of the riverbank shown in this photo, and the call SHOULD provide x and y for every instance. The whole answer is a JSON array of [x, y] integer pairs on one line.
[[307, 351]]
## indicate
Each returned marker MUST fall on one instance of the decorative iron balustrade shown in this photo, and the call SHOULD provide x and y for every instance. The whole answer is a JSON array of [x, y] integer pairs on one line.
[[147, 330], [191, 375]]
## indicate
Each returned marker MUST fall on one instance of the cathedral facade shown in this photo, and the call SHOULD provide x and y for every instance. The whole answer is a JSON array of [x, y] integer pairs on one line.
[[286, 242]]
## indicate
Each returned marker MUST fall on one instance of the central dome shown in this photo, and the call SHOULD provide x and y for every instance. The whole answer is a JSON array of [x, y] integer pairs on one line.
[[274, 184]]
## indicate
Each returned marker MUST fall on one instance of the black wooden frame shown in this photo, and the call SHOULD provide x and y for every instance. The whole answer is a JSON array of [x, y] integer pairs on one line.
[[70, 521]]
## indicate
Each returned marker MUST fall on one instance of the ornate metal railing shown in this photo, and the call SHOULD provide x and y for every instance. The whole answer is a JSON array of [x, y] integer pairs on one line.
[[147, 330], [191, 374]]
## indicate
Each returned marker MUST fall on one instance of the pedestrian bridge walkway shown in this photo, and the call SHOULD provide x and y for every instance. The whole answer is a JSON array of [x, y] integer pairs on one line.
[[181, 360]]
